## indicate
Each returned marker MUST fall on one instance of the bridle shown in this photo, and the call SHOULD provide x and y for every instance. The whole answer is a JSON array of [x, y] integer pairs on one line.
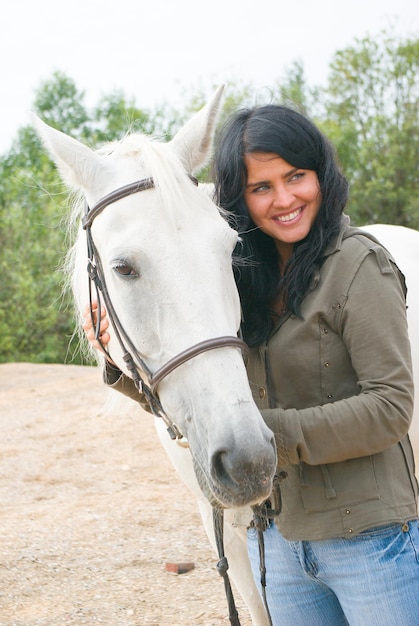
[[144, 379]]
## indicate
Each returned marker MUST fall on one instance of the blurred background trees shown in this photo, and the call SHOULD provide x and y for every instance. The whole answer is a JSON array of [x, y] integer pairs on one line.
[[369, 109]]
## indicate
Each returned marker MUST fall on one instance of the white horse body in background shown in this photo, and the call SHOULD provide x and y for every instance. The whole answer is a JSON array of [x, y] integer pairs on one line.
[[166, 256]]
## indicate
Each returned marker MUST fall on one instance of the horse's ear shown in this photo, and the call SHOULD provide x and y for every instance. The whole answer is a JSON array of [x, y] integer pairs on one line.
[[193, 143], [76, 162]]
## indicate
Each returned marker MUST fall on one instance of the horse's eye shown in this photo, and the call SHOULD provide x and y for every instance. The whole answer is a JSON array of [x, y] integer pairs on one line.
[[124, 269]]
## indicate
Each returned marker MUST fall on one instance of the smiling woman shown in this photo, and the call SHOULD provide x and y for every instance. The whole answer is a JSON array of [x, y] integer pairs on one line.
[[292, 169], [324, 310]]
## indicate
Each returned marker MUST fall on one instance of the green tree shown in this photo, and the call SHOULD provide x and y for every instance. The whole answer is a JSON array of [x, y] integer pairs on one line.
[[35, 323], [294, 91], [60, 104], [115, 116], [32, 324], [372, 106]]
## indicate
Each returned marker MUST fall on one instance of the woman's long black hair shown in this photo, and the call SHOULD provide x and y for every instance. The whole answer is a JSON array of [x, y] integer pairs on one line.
[[290, 135]]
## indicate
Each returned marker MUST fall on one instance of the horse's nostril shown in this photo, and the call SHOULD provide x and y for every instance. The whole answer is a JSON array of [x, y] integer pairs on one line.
[[222, 469], [247, 476]]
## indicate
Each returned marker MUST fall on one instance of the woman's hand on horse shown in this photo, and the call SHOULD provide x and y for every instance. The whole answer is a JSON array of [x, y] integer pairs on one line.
[[89, 329]]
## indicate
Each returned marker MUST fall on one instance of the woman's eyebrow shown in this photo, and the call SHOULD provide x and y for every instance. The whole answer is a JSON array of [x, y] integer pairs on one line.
[[264, 182]]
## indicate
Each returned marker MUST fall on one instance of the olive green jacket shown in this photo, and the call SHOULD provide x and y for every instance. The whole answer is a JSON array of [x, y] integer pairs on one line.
[[336, 389]]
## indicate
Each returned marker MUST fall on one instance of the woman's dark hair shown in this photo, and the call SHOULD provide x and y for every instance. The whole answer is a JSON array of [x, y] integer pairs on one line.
[[290, 135]]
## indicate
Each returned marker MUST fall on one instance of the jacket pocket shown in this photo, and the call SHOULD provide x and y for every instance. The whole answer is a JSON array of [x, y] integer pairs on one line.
[[327, 487]]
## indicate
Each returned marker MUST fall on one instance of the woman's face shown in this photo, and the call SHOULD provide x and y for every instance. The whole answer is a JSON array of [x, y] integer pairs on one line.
[[283, 200]]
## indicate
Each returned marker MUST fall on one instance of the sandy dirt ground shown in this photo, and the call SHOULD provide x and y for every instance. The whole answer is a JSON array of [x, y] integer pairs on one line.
[[91, 511]]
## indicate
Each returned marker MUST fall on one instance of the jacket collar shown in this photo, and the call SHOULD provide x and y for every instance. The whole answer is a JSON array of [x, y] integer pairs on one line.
[[336, 244]]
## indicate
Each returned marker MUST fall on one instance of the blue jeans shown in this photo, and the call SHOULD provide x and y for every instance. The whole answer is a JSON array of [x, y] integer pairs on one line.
[[368, 580]]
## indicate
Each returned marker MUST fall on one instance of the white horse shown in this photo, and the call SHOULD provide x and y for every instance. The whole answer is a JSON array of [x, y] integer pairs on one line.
[[163, 252], [166, 259]]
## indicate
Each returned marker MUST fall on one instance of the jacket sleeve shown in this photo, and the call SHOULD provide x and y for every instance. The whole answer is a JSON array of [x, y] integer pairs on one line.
[[373, 328], [117, 380]]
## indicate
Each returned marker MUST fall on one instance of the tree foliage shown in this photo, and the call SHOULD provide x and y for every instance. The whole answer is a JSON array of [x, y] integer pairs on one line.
[[369, 109], [371, 115]]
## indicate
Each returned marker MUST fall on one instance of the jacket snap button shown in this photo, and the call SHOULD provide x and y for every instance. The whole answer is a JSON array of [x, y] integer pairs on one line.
[[347, 512], [350, 531], [262, 392], [326, 364]]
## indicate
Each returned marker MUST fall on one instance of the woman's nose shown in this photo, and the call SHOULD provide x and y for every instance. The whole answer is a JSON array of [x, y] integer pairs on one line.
[[283, 198]]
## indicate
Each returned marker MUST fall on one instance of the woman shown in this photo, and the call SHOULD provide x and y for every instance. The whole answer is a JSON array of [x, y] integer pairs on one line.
[[324, 314]]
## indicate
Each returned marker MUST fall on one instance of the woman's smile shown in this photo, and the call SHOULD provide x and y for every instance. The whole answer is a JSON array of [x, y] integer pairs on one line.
[[289, 217]]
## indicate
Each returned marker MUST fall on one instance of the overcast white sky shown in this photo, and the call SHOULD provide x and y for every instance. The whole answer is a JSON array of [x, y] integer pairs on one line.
[[151, 49]]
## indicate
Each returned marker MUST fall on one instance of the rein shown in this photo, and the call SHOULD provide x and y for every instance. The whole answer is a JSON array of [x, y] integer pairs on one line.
[[263, 514], [144, 379]]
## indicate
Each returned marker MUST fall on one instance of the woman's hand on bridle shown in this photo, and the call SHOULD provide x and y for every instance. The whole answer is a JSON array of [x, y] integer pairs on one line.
[[89, 329]]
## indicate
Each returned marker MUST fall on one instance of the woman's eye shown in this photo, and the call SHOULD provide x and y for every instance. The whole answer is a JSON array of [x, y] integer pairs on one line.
[[260, 188], [123, 269]]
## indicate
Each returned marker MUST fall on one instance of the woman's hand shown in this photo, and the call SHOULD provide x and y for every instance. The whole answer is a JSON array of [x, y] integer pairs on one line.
[[89, 329]]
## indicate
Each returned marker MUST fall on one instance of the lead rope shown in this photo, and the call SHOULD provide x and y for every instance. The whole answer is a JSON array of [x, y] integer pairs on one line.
[[222, 565], [259, 521], [263, 514]]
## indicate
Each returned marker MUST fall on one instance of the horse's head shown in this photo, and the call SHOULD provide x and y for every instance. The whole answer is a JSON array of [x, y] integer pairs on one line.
[[165, 254]]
